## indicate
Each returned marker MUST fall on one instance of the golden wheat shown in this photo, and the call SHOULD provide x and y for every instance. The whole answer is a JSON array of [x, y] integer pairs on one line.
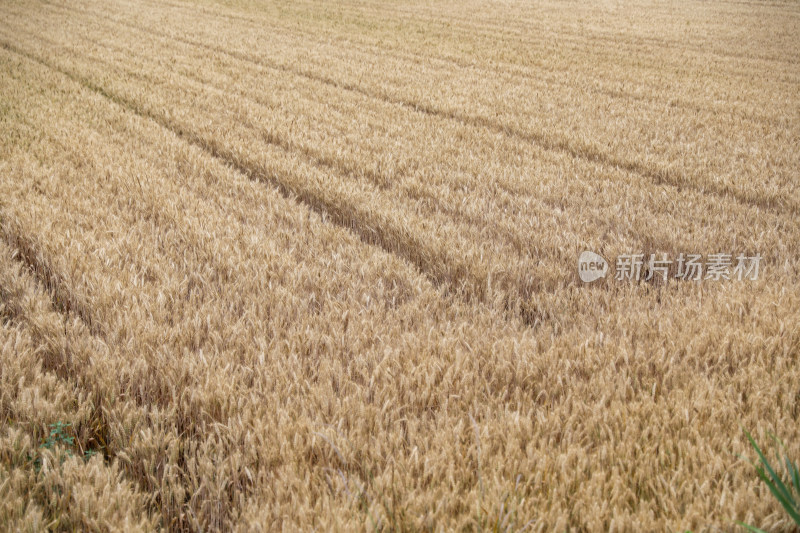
[[308, 266]]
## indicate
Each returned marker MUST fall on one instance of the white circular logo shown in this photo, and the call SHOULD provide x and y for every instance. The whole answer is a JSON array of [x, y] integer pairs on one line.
[[591, 267]]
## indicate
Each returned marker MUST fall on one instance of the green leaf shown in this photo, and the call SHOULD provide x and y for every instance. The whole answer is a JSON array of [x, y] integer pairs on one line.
[[774, 483], [776, 480], [788, 503], [794, 474]]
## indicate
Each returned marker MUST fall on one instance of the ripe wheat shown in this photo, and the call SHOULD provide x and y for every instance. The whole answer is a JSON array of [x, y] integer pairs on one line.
[[282, 266]]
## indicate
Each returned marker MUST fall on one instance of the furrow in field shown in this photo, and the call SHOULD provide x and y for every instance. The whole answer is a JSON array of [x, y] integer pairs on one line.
[[419, 190], [119, 425], [653, 61], [528, 308], [130, 423], [424, 153], [545, 77], [442, 270], [725, 170], [658, 90], [538, 31], [47, 480], [787, 246], [82, 361], [352, 211], [544, 19], [41, 349], [557, 77], [497, 278]]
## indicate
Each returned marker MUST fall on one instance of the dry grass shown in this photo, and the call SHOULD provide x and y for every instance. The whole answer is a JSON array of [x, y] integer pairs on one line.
[[310, 266]]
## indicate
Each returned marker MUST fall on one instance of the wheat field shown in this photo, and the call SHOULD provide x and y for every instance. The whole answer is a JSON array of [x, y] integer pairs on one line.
[[305, 265]]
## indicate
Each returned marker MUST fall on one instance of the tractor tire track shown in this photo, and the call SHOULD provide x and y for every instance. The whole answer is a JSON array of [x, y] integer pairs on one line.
[[458, 280], [656, 174]]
